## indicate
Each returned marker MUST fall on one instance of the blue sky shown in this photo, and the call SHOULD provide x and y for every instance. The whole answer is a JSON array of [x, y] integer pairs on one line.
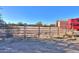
[[34, 14]]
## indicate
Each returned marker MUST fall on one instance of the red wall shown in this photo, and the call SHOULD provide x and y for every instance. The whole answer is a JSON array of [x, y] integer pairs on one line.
[[73, 23]]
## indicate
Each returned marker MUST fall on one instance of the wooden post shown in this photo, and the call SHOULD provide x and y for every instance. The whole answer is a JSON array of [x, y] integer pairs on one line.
[[24, 31], [50, 31], [58, 25], [73, 37], [18, 31], [38, 31], [58, 31]]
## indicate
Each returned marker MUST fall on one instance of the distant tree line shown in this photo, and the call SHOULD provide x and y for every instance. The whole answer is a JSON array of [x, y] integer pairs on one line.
[[24, 24]]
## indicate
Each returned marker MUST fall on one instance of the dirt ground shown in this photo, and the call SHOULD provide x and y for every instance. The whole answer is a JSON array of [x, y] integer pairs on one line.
[[37, 46]]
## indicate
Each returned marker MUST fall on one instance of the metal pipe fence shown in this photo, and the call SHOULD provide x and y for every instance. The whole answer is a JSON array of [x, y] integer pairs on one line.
[[32, 31]]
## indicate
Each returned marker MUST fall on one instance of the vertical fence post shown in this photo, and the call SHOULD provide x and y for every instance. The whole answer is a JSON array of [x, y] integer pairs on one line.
[[50, 31], [38, 31], [4, 35], [18, 32], [58, 31], [58, 25], [24, 31]]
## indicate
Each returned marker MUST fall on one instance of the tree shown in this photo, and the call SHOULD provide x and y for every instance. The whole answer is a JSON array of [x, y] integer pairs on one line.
[[25, 24], [52, 25], [12, 24], [2, 22], [45, 25], [39, 23], [20, 24]]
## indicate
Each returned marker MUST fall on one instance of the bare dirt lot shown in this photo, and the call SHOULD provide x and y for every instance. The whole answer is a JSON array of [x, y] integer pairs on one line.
[[37, 46]]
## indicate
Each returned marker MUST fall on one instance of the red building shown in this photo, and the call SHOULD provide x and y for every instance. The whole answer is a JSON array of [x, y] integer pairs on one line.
[[73, 24]]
